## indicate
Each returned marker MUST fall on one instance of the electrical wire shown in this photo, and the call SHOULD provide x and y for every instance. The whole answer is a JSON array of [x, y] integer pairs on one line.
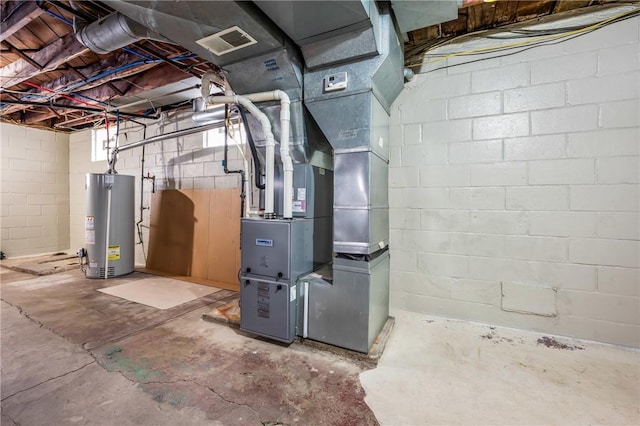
[[535, 40]]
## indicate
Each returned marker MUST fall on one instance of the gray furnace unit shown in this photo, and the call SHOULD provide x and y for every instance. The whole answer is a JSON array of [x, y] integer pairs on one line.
[[341, 65], [109, 225]]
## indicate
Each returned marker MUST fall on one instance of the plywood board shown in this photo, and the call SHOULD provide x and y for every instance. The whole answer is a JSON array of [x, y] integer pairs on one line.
[[196, 233], [161, 293]]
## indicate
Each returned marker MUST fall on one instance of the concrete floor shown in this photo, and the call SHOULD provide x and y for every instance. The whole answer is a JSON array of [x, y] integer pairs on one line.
[[73, 355]]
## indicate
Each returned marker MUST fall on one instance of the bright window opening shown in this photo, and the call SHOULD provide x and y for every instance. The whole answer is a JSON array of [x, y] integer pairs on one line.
[[100, 144], [214, 138]]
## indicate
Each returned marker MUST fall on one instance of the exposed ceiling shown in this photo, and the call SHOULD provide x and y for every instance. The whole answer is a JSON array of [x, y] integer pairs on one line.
[[50, 80]]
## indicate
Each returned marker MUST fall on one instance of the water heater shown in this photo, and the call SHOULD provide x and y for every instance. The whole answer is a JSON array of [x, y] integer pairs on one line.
[[109, 225]]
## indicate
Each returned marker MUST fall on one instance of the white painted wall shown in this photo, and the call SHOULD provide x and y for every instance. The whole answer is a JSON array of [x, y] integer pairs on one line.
[[178, 163], [34, 196], [514, 189]]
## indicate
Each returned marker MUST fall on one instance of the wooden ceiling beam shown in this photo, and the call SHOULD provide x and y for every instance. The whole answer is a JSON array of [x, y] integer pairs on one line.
[[24, 11], [50, 57]]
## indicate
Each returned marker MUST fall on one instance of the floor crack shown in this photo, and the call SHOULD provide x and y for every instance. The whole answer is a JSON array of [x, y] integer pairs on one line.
[[48, 380], [212, 390], [40, 324]]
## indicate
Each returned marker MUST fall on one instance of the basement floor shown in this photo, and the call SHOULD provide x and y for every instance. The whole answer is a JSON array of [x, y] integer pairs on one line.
[[73, 355]]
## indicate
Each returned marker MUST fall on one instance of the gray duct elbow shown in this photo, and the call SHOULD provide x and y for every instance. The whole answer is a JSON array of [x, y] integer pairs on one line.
[[113, 32]]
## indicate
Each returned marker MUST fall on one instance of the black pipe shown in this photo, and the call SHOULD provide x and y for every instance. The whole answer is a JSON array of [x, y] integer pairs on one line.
[[243, 193], [257, 167]]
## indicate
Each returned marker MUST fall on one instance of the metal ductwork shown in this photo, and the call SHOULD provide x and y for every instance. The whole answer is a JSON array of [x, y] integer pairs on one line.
[[113, 32], [341, 64]]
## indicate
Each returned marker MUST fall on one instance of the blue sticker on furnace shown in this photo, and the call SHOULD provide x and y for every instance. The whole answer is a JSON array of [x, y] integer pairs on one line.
[[264, 243]]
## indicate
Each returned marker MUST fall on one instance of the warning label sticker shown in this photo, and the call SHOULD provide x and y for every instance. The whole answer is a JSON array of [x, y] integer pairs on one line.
[[89, 223], [89, 237], [114, 253]]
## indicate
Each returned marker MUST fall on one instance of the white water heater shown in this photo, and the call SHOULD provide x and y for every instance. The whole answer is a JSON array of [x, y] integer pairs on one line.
[[109, 225]]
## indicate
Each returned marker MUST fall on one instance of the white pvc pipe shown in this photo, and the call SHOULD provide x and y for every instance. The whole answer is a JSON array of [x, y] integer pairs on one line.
[[270, 145], [106, 244], [287, 163]]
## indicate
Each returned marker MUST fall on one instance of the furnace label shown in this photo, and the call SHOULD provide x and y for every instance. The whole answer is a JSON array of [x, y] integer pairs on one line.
[[90, 237], [263, 242]]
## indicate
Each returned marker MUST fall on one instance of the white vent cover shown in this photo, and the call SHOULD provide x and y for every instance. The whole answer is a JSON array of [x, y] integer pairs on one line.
[[226, 41]]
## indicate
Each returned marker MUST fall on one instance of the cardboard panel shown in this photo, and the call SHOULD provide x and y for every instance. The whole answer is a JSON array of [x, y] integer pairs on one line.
[[196, 233], [171, 232]]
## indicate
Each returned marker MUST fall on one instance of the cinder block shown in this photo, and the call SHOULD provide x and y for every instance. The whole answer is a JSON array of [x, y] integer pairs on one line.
[[619, 225], [213, 168], [228, 181], [475, 105], [402, 260], [41, 199], [563, 171], [620, 114], [501, 126], [603, 89], [395, 197], [445, 175], [563, 120], [478, 244], [621, 197], [499, 174], [602, 331], [619, 169], [404, 219], [404, 177], [444, 220], [426, 198], [604, 143], [563, 275], [507, 77], [563, 224], [534, 97], [445, 87], [412, 134], [16, 233], [548, 249], [605, 307], [486, 292], [26, 165], [204, 182], [621, 281], [568, 67], [475, 152], [14, 221], [619, 59], [537, 197], [491, 222], [433, 110], [425, 241], [423, 155], [534, 148], [395, 156], [477, 198], [598, 251], [395, 134], [447, 131], [527, 299], [443, 264]]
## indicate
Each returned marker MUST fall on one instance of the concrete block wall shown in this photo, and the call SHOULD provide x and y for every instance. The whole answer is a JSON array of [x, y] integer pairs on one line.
[[34, 194], [178, 163], [514, 191]]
